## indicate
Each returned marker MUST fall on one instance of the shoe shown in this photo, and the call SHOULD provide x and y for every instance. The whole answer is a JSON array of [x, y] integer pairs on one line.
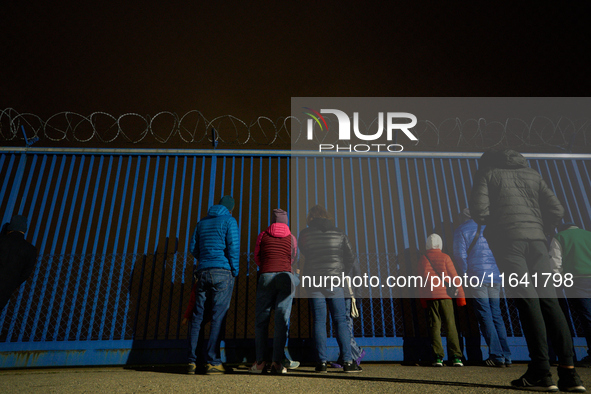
[[257, 368], [351, 367], [290, 364], [531, 382], [437, 363], [358, 360], [493, 363], [215, 369], [570, 381], [321, 367], [508, 364], [278, 369], [584, 363], [191, 368], [457, 362]]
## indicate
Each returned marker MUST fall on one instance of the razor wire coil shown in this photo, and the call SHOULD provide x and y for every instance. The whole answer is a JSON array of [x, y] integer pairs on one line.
[[557, 135]]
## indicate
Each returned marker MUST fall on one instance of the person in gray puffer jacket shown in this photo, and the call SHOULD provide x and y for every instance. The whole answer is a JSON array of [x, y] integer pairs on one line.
[[519, 208], [327, 252]]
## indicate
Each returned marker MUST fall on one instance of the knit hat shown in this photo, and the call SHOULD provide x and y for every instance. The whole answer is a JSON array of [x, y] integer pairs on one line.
[[18, 223], [434, 241], [228, 202], [279, 216]]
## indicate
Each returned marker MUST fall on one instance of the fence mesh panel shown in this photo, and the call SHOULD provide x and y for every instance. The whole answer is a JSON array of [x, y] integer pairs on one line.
[[117, 296]]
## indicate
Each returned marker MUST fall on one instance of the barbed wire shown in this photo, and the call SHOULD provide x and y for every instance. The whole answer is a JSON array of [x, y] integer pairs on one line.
[[541, 133]]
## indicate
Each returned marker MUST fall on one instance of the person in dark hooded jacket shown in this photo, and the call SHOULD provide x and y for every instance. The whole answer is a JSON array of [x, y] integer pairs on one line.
[[519, 209], [17, 258], [327, 253]]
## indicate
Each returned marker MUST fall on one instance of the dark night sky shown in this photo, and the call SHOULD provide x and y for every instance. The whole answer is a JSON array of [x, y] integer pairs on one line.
[[249, 58]]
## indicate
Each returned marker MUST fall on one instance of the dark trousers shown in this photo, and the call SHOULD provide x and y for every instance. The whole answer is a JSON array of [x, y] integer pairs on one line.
[[539, 311], [442, 312]]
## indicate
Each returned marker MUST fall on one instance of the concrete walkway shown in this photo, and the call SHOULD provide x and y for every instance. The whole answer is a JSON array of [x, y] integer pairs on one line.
[[375, 378]]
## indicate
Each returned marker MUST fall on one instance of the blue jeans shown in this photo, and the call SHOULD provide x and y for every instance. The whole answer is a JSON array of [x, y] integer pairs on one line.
[[355, 348], [579, 296], [487, 306], [213, 295], [274, 290], [319, 298]]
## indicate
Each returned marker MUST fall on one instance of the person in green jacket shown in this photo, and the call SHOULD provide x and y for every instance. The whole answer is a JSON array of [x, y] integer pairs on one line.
[[570, 252]]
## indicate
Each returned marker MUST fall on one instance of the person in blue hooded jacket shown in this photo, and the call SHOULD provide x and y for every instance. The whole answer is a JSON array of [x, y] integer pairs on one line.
[[215, 245], [474, 258]]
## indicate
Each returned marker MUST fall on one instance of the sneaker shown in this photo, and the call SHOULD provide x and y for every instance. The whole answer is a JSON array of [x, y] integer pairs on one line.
[[277, 369], [358, 360], [191, 368], [437, 363], [508, 364], [493, 363], [457, 362], [215, 369], [351, 367], [584, 363], [535, 383], [569, 380], [290, 364], [257, 368], [321, 367]]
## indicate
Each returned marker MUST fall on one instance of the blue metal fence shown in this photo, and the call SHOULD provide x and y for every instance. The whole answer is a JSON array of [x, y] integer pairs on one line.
[[112, 229]]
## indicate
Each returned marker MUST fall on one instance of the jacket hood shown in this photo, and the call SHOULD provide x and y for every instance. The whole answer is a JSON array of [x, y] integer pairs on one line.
[[278, 230], [218, 210], [322, 224], [508, 159], [18, 223], [434, 241]]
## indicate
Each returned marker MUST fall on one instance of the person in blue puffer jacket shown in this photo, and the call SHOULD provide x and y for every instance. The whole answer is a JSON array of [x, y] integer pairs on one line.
[[215, 245], [476, 259]]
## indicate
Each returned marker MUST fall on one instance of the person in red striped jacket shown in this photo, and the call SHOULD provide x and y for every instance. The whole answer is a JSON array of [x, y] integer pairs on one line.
[[274, 253]]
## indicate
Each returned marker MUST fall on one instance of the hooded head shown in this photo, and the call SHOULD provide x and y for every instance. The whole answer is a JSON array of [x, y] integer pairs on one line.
[[507, 159], [279, 216], [487, 159], [18, 223], [434, 241], [228, 202]]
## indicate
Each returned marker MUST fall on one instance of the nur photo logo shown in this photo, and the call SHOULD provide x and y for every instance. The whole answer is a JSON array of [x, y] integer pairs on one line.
[[390, 122]]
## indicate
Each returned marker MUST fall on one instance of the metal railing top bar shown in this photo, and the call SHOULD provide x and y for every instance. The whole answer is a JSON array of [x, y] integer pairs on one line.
[[286, 153]]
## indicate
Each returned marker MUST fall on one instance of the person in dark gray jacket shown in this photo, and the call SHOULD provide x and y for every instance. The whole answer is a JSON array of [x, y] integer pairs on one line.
[[519, 209], [327, 253], [17, 258]]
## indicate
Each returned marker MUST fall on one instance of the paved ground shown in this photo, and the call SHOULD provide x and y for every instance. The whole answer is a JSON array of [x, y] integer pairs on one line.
[[376, 378]]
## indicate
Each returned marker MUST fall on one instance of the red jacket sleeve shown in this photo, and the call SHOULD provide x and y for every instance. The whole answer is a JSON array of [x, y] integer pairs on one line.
[[191, 306], [294, 248], [423, 290], [257, 249]]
